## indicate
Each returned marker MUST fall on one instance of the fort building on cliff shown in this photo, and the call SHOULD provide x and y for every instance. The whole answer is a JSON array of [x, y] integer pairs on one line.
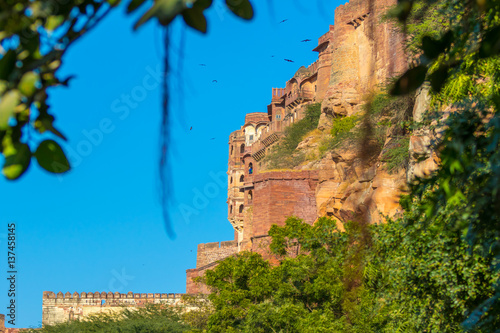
[[355, 55], [358, 53]]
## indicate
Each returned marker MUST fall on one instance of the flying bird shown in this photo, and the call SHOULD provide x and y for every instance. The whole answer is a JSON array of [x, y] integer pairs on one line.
[[212, 139], [284, 21], [191, 128], [305, 40], [203, 65], [289, 60], [272, 56], [214, 81]]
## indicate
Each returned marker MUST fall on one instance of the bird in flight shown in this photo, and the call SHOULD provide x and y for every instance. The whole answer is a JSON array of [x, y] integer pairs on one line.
[[214, 81], [212, 139], [203, 65], [289, 60], [191, 128], [284, 20], [305, 40]]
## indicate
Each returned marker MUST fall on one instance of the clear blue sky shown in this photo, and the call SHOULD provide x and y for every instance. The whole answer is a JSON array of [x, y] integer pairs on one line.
[[100, 227]]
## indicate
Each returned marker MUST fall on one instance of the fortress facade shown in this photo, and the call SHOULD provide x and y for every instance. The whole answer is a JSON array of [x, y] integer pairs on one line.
[[355, 55], [358, 53]]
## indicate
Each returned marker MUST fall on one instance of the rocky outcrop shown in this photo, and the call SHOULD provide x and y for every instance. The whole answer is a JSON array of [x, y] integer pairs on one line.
[[338, 104], [349, 187]]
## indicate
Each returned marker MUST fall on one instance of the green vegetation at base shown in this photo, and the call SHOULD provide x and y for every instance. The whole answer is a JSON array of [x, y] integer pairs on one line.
[[284, 155], [152, 318], [401, 276]]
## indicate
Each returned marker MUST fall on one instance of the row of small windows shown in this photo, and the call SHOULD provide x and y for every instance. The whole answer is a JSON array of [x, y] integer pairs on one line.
[[242, 179], [240, 209], [242, 147]]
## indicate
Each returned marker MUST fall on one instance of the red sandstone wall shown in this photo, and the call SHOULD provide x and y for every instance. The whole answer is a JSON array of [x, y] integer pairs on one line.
[[207, 257], [280, 194]]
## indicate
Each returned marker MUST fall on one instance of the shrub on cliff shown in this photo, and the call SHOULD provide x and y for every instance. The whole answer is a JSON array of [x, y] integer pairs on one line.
[[284, 155]]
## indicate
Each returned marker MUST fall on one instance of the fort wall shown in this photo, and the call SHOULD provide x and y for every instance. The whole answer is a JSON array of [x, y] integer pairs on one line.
[[59, 308]]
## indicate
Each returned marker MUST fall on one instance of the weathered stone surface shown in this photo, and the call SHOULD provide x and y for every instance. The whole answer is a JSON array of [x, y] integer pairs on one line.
[[422, 100]]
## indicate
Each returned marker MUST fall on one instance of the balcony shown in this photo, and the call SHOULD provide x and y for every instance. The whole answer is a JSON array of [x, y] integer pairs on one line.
[[298, 97], [278, 93]]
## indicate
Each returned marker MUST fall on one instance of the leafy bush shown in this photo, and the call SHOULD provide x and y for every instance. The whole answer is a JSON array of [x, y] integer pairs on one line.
[[400, 276], [343, 125], [284, 155]]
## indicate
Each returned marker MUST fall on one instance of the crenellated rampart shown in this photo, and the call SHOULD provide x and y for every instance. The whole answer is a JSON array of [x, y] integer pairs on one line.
[[59, 308]]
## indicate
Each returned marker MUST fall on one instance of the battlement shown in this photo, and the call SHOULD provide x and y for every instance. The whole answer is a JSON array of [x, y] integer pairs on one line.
[[211, 252], [59, 308], [256, 117], [108, 295]]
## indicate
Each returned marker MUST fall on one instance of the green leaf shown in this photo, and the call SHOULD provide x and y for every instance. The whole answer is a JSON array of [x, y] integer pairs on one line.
[[44, 122], [53, 22], [195, 19], [203, 4], [134, 4], [50, 156], [8, 103], [241, 8], [17, 160], [7, 64], [27, 85], [410, 81], [164, 10]]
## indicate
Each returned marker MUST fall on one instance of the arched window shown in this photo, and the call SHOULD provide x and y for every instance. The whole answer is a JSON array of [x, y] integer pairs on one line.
[[250, 195], [232, 148], [250, 168], [242, 148], [230, 209], [231, 181], [242, 178], [241, 208]]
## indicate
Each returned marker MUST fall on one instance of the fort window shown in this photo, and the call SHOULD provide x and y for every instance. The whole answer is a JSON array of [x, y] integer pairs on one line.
[[251, 138], [278, 117], [242, 148], [242, 178], [230, 209], [232, 148], [231, 181], [250, 168], [250, 195], [241, 208]]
